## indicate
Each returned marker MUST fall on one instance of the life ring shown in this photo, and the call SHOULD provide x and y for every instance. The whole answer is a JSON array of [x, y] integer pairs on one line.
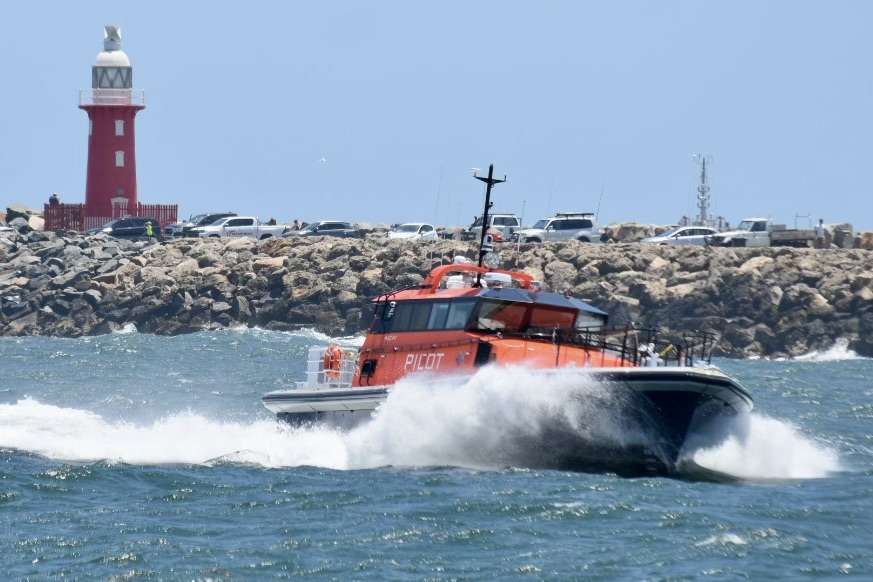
[[332, 362]]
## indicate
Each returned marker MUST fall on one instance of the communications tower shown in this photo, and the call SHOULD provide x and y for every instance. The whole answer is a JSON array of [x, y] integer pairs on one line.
[[703, 195]]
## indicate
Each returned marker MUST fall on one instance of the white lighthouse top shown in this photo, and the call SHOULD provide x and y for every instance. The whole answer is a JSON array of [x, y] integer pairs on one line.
[[112, 55]]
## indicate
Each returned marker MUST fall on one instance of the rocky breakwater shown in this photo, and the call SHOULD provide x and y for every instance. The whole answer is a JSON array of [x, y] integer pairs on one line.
[[762, 301]]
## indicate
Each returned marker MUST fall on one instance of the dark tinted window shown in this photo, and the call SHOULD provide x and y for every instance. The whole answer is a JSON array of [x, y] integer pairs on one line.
[[240, 222], [549, 318], [500, 316], [210, 218], [575, 223], [422, 315]]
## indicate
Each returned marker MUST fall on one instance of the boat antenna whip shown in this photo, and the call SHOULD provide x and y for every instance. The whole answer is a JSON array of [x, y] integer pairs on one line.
[[485, 248]]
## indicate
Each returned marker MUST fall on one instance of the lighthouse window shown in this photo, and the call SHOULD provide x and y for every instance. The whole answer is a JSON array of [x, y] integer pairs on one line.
[[119, 127], [119, 159]]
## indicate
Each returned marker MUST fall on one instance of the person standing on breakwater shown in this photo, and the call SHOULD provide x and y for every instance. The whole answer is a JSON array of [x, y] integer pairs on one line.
[[820, 234], [149, 230]]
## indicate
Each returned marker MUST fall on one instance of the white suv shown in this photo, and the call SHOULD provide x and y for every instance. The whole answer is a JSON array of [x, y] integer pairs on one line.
[[505, 224], [563, 226]]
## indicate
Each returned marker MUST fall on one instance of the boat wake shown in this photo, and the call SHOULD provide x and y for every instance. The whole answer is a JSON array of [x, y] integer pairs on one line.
[[758, 447], [501, 417]]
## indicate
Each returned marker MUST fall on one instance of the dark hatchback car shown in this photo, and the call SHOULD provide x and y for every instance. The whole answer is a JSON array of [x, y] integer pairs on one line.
[[131, 228], [327, 228]]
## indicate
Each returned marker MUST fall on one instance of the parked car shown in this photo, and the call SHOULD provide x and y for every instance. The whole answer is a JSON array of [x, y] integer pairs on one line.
[[563, 226], [413, 231], [237, 226], [327, 228], [502, 225], [683, 235], [130, 227], [183, 228]]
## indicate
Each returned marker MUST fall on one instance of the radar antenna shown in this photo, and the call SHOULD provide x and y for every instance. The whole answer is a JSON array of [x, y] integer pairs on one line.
[[490, 181]]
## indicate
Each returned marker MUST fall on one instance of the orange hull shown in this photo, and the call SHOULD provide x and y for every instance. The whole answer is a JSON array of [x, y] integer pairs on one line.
[[457, 352]]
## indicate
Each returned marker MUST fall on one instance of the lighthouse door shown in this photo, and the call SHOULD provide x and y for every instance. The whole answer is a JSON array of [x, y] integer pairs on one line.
[[119, 207]]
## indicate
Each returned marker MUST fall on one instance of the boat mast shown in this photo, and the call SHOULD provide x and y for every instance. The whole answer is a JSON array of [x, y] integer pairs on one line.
[[490, 181]]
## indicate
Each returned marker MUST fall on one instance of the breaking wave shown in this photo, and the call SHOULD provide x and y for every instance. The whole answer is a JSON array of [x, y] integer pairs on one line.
[[837, 353], [498, 418]]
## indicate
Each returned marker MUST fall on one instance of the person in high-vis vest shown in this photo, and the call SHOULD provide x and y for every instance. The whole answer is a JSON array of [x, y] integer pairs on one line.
[[149, 229]]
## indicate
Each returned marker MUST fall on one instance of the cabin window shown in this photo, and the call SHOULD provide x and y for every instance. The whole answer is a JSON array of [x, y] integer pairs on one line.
[[438, 315], [500, 316], [459, 314], [590, 321], [546, 318], [419, 317], [422, 315], [119, 127]]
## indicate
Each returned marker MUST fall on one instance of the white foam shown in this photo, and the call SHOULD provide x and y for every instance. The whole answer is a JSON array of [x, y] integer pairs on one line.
[[127, 328], [760, 447], [308, 334], [493, 419], [497, 418], [79, 435], [837, 353], [723, 539]]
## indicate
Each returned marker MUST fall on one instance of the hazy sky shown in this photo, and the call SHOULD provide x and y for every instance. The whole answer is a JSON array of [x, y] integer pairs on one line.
[[401, 99]]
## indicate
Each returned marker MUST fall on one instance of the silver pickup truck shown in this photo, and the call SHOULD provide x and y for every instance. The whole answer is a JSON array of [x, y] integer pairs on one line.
[[758, 232], [237, 226]]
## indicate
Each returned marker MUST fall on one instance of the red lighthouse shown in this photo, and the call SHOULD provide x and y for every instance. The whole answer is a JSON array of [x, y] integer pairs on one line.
[[111, 105]]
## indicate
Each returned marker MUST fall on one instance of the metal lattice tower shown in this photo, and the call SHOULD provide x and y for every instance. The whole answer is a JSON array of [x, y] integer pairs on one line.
[[703, 195]]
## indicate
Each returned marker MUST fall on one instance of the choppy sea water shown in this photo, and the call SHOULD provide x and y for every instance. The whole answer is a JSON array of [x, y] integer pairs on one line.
[[130, 455]]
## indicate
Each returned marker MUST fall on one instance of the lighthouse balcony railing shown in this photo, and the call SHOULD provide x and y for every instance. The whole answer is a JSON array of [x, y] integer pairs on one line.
[[111, 97]]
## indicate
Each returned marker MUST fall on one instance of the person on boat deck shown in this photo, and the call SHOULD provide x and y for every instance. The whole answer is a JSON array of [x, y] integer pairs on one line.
[[332, 363], [296, 225]]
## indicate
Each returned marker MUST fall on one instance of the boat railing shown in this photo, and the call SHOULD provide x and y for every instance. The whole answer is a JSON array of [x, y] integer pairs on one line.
[[635, 346], [318, 375]]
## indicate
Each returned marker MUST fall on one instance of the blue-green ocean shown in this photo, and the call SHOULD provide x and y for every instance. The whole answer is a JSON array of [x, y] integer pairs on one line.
[[133, 456]]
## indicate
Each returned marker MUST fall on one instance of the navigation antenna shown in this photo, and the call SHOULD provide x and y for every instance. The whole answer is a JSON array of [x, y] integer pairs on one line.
[[485, 244], [703, 195]]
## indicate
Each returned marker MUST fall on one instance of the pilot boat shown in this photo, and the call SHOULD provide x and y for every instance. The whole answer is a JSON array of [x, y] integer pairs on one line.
[[465, 316]]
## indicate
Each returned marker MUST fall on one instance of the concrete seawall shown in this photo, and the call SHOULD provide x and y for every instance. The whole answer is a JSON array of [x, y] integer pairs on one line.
[[774, 302]]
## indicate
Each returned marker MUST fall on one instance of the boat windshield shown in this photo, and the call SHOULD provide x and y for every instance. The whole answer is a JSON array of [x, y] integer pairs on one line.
[[397, 316], [407, 228], [477, 222], [483, 315]]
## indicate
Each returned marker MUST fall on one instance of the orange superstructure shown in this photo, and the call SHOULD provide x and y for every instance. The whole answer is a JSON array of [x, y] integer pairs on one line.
[[464, 316]]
